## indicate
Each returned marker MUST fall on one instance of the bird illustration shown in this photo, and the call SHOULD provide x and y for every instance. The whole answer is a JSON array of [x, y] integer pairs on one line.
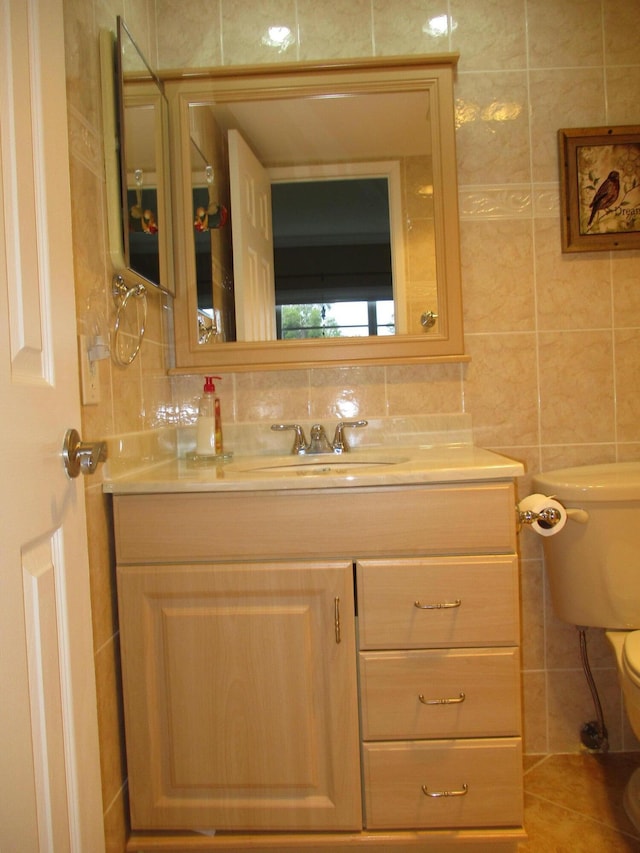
[[605, 195]]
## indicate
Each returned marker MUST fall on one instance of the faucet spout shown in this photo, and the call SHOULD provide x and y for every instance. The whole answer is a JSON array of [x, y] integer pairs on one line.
[[318, 442]]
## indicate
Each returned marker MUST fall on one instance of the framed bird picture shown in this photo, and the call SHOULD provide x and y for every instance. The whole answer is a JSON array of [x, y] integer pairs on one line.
[[600, 188]]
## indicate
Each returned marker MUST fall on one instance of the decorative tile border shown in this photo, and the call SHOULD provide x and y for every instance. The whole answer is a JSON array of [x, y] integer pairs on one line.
[[546, 200], [509, 201]]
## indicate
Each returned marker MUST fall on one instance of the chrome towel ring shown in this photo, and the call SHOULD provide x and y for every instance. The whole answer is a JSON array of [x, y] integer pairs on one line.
[[122, 294]]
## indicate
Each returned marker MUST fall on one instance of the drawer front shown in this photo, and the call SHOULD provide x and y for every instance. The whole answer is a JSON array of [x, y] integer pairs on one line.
[[438, 602], [445, 783], [436, 694], [476, 518]]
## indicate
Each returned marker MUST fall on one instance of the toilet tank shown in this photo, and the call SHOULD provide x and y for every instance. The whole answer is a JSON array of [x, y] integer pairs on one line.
[[594, 568]]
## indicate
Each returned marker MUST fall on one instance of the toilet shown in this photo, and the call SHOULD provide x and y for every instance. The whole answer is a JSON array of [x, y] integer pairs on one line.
[[593, 568]]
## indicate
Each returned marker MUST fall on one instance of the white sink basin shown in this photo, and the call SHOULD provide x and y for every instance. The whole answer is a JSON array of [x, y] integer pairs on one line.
[[320, 464]]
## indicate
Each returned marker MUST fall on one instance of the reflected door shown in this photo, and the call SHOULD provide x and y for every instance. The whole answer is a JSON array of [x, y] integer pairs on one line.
[[253, 273]]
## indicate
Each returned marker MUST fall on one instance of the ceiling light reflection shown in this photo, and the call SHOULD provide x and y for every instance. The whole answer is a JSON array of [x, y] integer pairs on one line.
[[439, 26], [278, 37]]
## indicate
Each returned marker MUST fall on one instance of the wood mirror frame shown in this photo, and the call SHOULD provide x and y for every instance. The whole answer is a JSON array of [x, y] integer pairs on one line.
[[389, 74]]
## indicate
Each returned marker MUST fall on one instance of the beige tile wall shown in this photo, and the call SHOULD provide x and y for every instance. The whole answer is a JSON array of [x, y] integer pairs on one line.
[[555, 376], [554, 339]]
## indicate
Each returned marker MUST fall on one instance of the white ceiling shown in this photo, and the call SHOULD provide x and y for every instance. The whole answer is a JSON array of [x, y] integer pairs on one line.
[[342, 128]]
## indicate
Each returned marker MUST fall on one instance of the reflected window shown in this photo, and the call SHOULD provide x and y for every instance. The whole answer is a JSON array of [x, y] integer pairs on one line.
[[332, 251], [334, 320]]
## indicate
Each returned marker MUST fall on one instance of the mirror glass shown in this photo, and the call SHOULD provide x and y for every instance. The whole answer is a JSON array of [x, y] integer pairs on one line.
[[136, 150], [319, 205], [332, 258], [332, 170]]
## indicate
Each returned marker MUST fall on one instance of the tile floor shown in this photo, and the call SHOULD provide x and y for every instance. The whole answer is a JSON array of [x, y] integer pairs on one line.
[[573, 804]]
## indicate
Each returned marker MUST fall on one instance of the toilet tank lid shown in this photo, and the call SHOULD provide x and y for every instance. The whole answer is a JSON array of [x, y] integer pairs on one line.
[[612, 481]]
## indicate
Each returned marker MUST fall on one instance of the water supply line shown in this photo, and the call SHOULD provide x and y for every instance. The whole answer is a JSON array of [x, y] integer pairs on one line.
[[594, 733]]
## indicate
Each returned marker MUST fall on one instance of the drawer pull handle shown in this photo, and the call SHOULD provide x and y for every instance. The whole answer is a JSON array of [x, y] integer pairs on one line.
[[460, 793], [336, 618], [444, 605], [453, 701]]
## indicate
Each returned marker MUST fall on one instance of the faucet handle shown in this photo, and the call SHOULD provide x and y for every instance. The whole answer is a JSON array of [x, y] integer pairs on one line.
[[300, 445], [340, 444]]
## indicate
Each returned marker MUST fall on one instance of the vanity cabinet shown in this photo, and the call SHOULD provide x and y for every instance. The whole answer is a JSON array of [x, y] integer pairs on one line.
[[265, 700]]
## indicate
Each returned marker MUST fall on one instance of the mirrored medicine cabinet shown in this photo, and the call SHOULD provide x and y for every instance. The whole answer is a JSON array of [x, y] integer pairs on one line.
[[316, 216], [307, 214]]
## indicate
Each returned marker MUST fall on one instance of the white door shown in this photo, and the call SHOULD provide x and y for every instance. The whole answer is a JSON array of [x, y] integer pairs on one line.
[[50, 798], [253, 276]]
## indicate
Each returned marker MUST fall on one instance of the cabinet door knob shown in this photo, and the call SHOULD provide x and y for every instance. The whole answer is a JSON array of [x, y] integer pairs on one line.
[[336, 617]]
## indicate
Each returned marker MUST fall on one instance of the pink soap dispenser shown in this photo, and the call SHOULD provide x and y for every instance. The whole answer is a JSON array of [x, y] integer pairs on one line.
[[209, 425]]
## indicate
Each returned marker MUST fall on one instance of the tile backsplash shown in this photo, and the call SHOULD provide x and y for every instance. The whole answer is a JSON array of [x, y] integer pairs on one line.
[[419, 431]]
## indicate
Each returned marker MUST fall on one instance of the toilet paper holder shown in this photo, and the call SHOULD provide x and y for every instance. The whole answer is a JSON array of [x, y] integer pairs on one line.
[[548, 516], [545, 515]]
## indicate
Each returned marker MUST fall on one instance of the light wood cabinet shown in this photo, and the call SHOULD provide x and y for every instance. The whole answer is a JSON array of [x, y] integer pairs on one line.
[[443, 783], [263, 699], [240, 692], [434, 693], [458, 677], [438, 602]]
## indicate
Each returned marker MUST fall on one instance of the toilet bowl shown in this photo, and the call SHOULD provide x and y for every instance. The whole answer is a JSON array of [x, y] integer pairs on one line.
[[626, 645], [593, 570]]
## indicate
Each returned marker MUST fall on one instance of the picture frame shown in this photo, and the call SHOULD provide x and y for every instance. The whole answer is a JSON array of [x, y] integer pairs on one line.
[[600, 188]]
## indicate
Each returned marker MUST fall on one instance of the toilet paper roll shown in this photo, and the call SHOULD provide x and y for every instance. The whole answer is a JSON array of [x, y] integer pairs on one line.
[[533, 505]]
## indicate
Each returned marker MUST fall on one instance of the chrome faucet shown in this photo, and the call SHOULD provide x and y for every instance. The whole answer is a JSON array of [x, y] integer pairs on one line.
[[299, 441], [319, 442], [340, 443]]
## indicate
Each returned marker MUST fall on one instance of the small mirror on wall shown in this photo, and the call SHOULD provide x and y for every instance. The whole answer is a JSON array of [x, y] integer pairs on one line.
[[135, 120]]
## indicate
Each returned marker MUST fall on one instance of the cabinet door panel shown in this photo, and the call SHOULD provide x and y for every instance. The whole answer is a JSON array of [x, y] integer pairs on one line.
[[240, 704]]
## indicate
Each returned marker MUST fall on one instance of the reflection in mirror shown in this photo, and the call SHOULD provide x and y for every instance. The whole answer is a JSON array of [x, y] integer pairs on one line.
[[332, 252], [210, 227], [326, 214], [136, 154], [338, 186]]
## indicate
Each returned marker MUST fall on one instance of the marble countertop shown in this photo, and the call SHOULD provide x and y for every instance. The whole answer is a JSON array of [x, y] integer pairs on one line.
[[370, 467]]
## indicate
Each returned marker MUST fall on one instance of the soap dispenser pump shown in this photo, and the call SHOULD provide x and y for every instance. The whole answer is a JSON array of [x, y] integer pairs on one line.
[[209, 426]]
